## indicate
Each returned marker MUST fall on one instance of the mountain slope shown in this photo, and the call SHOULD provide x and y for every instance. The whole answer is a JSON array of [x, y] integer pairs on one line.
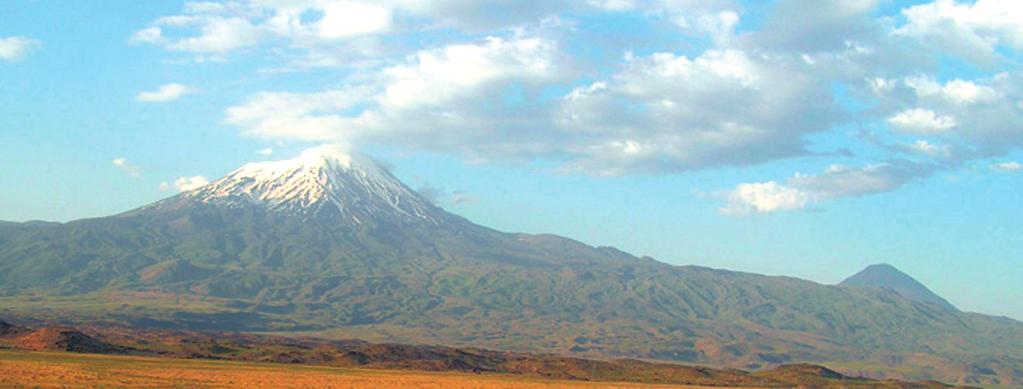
[[323, 182], [333, 245], [887, 276]]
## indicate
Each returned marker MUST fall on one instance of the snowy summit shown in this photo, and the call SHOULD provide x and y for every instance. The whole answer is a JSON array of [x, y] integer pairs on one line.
[[322, 181]]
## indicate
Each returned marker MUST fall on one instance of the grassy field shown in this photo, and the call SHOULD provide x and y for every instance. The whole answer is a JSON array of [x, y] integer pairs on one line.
[[66, 370]]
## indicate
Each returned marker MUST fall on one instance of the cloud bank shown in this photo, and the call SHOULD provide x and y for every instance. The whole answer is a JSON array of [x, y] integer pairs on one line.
[[705, 88]]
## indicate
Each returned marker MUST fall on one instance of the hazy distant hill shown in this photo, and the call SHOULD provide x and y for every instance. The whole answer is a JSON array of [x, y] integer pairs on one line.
[[333, 244], [887, 276]]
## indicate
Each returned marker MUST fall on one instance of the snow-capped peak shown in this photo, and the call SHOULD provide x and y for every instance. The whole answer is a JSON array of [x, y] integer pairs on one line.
[[324, 180]]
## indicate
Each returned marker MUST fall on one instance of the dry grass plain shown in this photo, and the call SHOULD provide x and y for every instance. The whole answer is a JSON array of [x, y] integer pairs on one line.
[[65, 370]]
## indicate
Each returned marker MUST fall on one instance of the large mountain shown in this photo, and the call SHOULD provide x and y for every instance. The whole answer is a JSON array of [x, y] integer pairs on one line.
[[322, 183], [887, 276], [331, 244]]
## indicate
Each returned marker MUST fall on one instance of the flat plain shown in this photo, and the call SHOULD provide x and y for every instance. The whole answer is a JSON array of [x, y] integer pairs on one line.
[[20, 369]]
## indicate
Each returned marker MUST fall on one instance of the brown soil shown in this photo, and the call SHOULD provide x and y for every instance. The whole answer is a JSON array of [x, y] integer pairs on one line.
[[44, 370]]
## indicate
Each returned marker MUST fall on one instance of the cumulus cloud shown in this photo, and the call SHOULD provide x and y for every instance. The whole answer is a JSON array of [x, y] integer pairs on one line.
[[184, 184], [983, 116], [13, 48], [967, 92], [716, 17], [921, 121], [957, 91], [347, 19], [670, 113], [337, 32], [265, 151], [460, 88], [974, 30], [765, 197], [166, 92], [660, 113], [221, 28], [215, 32], [506, 81], [801, 191], [123, 165]]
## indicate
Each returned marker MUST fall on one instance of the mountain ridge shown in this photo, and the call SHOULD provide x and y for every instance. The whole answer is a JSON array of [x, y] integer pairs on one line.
[[187, 263]]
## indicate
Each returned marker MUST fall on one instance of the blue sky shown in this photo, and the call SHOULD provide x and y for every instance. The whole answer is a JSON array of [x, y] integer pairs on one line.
[[792, 137]]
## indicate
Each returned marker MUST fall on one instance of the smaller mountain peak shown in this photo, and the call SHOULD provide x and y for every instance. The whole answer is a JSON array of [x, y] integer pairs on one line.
[[883, 271], [883, 275], [882, 267]]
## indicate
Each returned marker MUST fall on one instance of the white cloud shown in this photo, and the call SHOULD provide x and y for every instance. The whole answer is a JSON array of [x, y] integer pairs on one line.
[[457, 71], [122, 164], [298, 116], [661, 113], [955, 91], [972, 30], [764, 197], [752, 96], [966, 92], [691, 15], [220, 28], [13, 48], [719, 26], [801, 191], [321, 28], [218, 35], [348, 18], [185, 184], [921, 121], [265, 151], [1011, 166], [982, 116], [667, 113], [153, 35], [452, 97], [166, 92]]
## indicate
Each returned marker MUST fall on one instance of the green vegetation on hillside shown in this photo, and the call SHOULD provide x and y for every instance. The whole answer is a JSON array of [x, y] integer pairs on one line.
[[461, 284]]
